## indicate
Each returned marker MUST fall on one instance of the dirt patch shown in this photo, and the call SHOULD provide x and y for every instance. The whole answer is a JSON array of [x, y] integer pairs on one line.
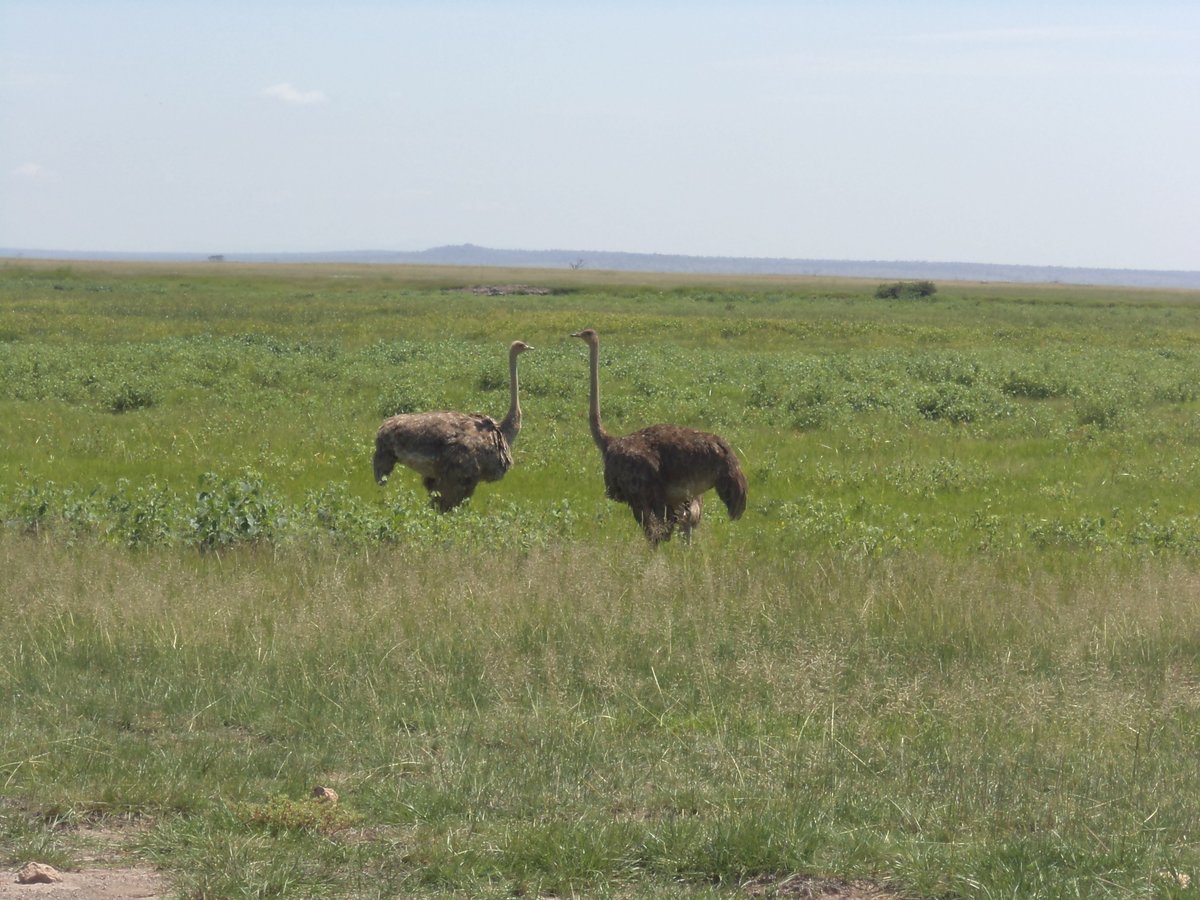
[[104, 868], [125, 883], [503, 290], [107, 872], [809, 887], [139, 883]]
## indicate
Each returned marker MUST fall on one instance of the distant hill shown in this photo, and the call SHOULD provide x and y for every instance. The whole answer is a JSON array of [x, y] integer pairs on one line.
[[473, 255]]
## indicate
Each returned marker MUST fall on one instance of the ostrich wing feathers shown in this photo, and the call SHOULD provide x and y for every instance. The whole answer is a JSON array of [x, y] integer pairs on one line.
[[664, 466], [439, 444]]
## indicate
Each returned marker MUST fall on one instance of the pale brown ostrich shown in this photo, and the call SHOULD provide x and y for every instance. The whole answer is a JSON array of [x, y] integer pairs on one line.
[[452, 451], [662, 471]]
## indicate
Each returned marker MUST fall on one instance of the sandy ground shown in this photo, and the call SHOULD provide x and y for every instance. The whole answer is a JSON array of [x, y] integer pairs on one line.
[[802, 887], [145, 884], [89, 884]]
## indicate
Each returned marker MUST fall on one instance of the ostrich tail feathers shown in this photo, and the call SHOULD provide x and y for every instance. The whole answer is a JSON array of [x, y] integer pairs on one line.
[[732, 487], [384, 462]]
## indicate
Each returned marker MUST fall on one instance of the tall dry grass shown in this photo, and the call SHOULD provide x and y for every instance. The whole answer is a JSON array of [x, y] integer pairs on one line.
[[561, 719]]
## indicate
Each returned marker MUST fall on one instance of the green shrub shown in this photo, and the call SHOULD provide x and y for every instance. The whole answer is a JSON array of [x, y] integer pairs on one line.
[[281, 814], [1103, 409], [1033, 385], [954, 402], [32, 505], [906, 290], [142, 516], [127, 397], [235, 511]]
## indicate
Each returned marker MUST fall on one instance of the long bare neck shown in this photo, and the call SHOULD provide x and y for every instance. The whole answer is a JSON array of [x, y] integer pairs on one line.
[[599, 435], [511, 426]]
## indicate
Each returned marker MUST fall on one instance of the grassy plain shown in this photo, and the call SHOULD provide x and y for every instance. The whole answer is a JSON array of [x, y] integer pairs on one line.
[[951, 648]]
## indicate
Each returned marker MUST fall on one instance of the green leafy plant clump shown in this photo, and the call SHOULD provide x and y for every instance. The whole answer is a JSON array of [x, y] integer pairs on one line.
[[283, 814], [906, 290]]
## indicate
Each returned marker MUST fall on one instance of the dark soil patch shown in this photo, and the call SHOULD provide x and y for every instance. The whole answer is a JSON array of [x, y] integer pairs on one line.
[[503, 290]]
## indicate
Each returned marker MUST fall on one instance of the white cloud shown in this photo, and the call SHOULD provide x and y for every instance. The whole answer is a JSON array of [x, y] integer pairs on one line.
[[1031, 35], [286, 92], [30, 170]]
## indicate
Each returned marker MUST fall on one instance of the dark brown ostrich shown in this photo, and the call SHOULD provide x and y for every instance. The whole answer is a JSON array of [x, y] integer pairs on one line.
[[452, 451], [662, 471]]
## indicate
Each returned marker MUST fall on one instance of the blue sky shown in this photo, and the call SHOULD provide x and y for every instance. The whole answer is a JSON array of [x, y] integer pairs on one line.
[[1038, 133]]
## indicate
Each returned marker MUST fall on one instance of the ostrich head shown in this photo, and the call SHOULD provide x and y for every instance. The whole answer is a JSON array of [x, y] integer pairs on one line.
[[588, 335], [519, 347]]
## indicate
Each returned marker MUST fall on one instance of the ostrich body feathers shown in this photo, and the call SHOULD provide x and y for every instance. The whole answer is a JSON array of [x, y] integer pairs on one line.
[[665, 467], [451, 451]]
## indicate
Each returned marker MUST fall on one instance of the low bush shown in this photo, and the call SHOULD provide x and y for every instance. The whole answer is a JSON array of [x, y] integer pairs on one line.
[[906, 290]]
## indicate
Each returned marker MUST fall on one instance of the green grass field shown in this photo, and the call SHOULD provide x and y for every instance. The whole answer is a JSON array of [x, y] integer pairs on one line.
[[950, 650]]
